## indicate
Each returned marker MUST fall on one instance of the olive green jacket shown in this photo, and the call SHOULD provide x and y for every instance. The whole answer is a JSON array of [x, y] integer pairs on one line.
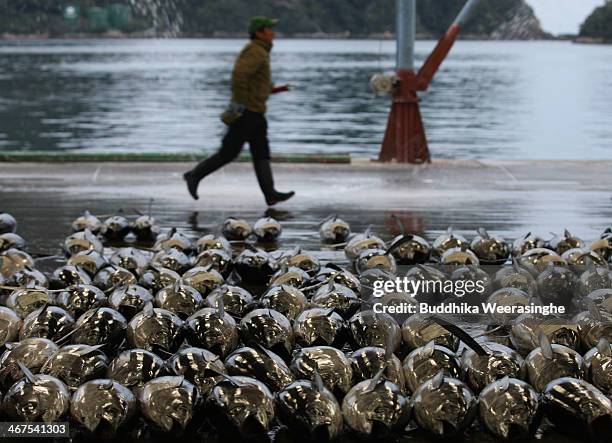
[[251, 78]]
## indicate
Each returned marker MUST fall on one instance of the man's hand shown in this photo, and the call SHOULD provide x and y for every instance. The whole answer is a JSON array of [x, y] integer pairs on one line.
[[283, 88]]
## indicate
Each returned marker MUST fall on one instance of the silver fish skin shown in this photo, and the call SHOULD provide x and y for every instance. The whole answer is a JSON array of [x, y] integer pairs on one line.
[[291, 276], [592, 326], [170, 402], [319, 326], [210, 241], [597, 366], [10, 324], [419, 329], [76, 364], [241, 404], [267, 229], [333, 366], [369, 328], [112, 277], [334, 230], [269, 328], [236, 229], [218, 259], [236, 300], [285, 299], [376, 258], [310, 409], [200, 366], [509, 408], [155, 279], [79, 299], [134, 367], [261, 364], [129, 300], [375, 408], [577, 407], [26, 301], [210, 330], [342, 299], [202, 279], [425, 362], [173, 259], [526, 328], [542, 368], [100, 326], [102, 406], [45, 398], [444, 406], [181, 300], [157, 330], [362, 242], [49, 322], [368, 361], [479, 371], [31, 352]]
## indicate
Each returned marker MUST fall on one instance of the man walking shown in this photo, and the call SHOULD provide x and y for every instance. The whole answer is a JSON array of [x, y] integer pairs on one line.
[[251, 87]]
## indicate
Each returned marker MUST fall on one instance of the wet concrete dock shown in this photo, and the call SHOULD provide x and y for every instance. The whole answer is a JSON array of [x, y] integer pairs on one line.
[[507, 197]]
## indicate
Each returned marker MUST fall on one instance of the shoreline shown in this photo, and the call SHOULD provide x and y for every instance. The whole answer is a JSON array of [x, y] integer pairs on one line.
[[116, 35]]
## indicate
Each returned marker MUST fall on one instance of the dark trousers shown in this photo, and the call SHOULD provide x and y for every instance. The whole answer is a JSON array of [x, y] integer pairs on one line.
[[251, 127]]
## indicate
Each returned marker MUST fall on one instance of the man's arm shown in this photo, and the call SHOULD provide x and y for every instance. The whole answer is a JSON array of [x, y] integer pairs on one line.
[[249, 61]]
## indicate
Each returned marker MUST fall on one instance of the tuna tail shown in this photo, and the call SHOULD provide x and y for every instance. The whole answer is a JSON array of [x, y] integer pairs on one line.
[[547, 350], [461, 334], [437, 380]]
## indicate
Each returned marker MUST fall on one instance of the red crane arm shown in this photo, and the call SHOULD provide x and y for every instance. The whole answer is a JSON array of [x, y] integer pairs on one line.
[[435, 59]]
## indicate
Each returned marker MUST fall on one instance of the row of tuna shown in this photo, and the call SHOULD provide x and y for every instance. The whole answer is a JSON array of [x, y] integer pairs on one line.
[[188, 335]]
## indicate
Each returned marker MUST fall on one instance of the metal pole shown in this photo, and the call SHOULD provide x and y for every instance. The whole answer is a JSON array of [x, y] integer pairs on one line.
[[405, 33], [466, 12]]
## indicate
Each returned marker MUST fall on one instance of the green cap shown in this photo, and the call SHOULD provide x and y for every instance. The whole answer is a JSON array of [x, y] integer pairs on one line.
[[260, 22]]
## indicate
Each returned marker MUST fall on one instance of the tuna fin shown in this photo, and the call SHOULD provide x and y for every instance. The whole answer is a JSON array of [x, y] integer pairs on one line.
[[567, 234], [91, 422], [89, 349], [547, 350], [258, 346], [390, 346], [318, 381], [483, 233], [603, 347], [429, 348], [461, 334], [368, 231], [437, 380], [377, 378], [30, 377], [504, 383], [527, 235], [331, 284], [147, 310], [221, 307], [398, 243], [594, 311]]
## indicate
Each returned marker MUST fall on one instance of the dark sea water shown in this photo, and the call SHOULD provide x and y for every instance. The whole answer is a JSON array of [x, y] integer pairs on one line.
[[502, 100]]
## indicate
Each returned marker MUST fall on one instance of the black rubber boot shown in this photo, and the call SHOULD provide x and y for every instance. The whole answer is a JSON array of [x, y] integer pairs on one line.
[[192, 184], [263, 171]]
